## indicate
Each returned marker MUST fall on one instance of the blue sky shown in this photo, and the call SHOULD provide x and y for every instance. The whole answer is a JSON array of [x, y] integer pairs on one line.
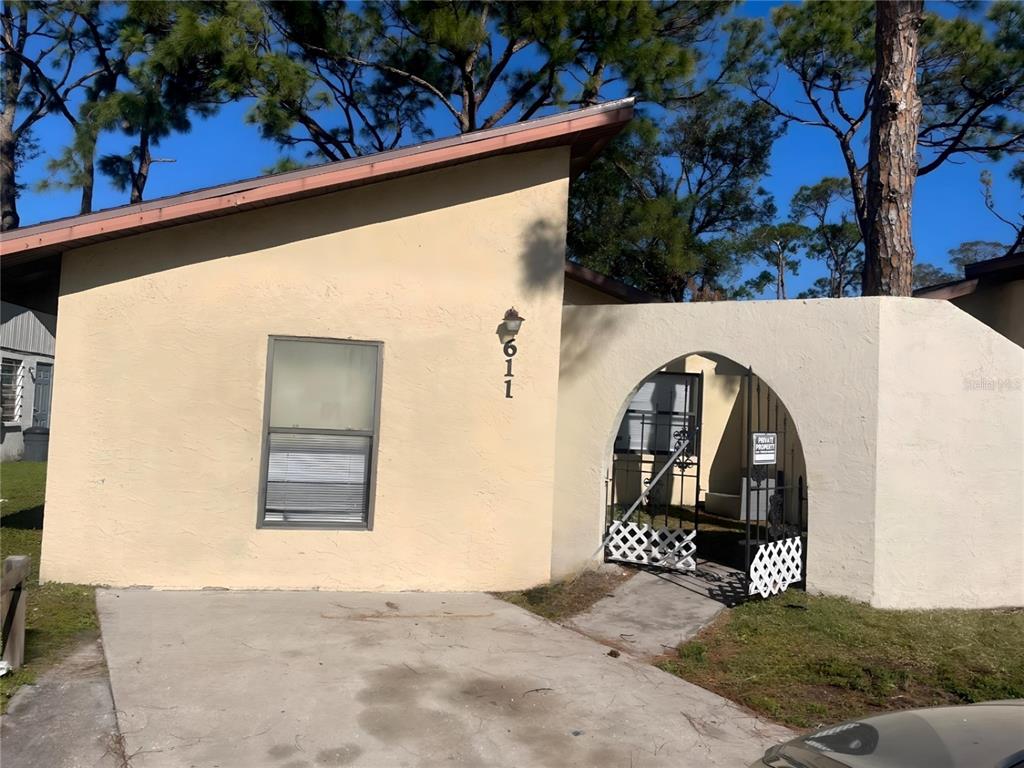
[[948, 205]]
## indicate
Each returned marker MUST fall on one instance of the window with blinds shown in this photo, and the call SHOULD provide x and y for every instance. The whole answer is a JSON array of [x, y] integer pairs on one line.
[[665, 404], [323, 399]]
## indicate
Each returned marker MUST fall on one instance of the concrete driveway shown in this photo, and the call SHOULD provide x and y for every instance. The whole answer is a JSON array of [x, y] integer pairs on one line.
[[306, 679]]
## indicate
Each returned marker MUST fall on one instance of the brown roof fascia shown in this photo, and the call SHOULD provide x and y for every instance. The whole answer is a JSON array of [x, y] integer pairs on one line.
[[584, 130], [947, 291], [609, 285], [999, 270]]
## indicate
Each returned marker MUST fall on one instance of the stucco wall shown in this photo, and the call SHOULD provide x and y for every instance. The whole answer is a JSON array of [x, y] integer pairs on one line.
[[820, 357], [949, 521], [910, 414], [722, 437], [163, 349], [999, 305]]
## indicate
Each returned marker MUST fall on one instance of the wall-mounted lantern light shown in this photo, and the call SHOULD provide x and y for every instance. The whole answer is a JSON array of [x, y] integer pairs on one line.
[[513, 322]]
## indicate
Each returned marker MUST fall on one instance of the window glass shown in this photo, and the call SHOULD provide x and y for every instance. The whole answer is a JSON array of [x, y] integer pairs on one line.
[[320, 435], [323, 385]]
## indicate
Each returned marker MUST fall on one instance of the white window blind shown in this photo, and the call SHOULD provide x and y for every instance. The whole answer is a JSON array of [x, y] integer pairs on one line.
[[321, 424], [317, 478]]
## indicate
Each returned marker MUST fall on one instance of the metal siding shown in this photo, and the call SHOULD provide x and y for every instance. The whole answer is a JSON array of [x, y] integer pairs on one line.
[[26, 330]]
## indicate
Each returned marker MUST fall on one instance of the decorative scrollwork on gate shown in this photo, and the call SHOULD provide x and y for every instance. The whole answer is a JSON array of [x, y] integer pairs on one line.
[[776, 565], [776, 517], [683, 461], [646, 545]]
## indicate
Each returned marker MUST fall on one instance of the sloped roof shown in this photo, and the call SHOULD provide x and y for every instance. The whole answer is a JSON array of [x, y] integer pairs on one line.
[[585, 131], [999, 270], [608, 285]]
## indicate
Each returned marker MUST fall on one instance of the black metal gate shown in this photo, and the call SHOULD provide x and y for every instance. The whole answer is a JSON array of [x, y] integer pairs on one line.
[[773, 495], [647, 439], [655, 505]]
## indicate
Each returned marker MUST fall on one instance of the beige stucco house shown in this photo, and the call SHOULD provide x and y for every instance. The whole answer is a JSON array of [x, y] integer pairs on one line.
[[312, 380]]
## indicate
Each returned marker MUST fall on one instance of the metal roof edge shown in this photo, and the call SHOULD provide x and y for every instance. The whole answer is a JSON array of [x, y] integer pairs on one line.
[[592, 124], [608, 285]]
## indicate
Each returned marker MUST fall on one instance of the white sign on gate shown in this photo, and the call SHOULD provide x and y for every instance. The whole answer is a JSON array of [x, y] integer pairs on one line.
[[764, 447]]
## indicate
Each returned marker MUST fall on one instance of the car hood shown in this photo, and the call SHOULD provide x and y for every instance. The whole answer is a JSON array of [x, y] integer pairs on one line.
[[978, 736]]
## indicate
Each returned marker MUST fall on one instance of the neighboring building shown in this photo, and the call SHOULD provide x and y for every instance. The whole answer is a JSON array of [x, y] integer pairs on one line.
[[26, 380], [992, 291], [584, 287], [309, 380]]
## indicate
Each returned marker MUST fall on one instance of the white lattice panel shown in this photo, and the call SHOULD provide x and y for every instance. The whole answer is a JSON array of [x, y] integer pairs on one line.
[[776, 565], [644, 544]]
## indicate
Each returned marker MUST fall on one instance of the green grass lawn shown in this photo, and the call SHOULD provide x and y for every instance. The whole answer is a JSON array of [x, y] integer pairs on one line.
[[57, 615], [806, 661]]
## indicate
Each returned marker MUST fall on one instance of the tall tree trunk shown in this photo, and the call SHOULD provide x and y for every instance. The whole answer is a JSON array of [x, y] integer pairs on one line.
[[892, 167], [88, 183], [780, 282], [10, 78], [140, 176], [8, 190], [88, 169], [857, 191]]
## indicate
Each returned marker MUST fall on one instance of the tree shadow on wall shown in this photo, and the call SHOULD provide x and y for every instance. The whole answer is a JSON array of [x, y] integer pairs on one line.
[[585, 330], [542, 268], [543, 258]]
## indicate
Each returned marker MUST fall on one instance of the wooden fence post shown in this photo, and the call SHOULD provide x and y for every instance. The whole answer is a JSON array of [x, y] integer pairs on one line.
[[12, 608]]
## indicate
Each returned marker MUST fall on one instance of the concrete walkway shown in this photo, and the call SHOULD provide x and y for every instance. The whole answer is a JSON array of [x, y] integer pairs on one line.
[[308, 679], [652, 613], [65, 720]]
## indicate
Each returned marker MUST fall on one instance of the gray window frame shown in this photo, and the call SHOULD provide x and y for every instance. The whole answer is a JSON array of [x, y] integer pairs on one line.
[[374, 436]]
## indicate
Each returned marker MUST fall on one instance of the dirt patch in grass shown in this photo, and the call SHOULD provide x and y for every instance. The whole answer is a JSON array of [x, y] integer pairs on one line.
[[807, 661], [58, 616], [563, 599]]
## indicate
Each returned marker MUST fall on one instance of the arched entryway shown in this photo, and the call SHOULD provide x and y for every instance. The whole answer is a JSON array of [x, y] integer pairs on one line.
[[706, 476], [608, 351]]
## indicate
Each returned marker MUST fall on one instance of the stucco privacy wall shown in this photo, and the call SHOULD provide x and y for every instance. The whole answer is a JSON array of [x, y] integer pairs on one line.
[[911, 417], [820, 357], [163, 351], [949, 522]]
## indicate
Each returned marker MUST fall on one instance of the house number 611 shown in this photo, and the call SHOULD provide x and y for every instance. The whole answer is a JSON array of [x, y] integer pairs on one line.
[[510, 352]]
